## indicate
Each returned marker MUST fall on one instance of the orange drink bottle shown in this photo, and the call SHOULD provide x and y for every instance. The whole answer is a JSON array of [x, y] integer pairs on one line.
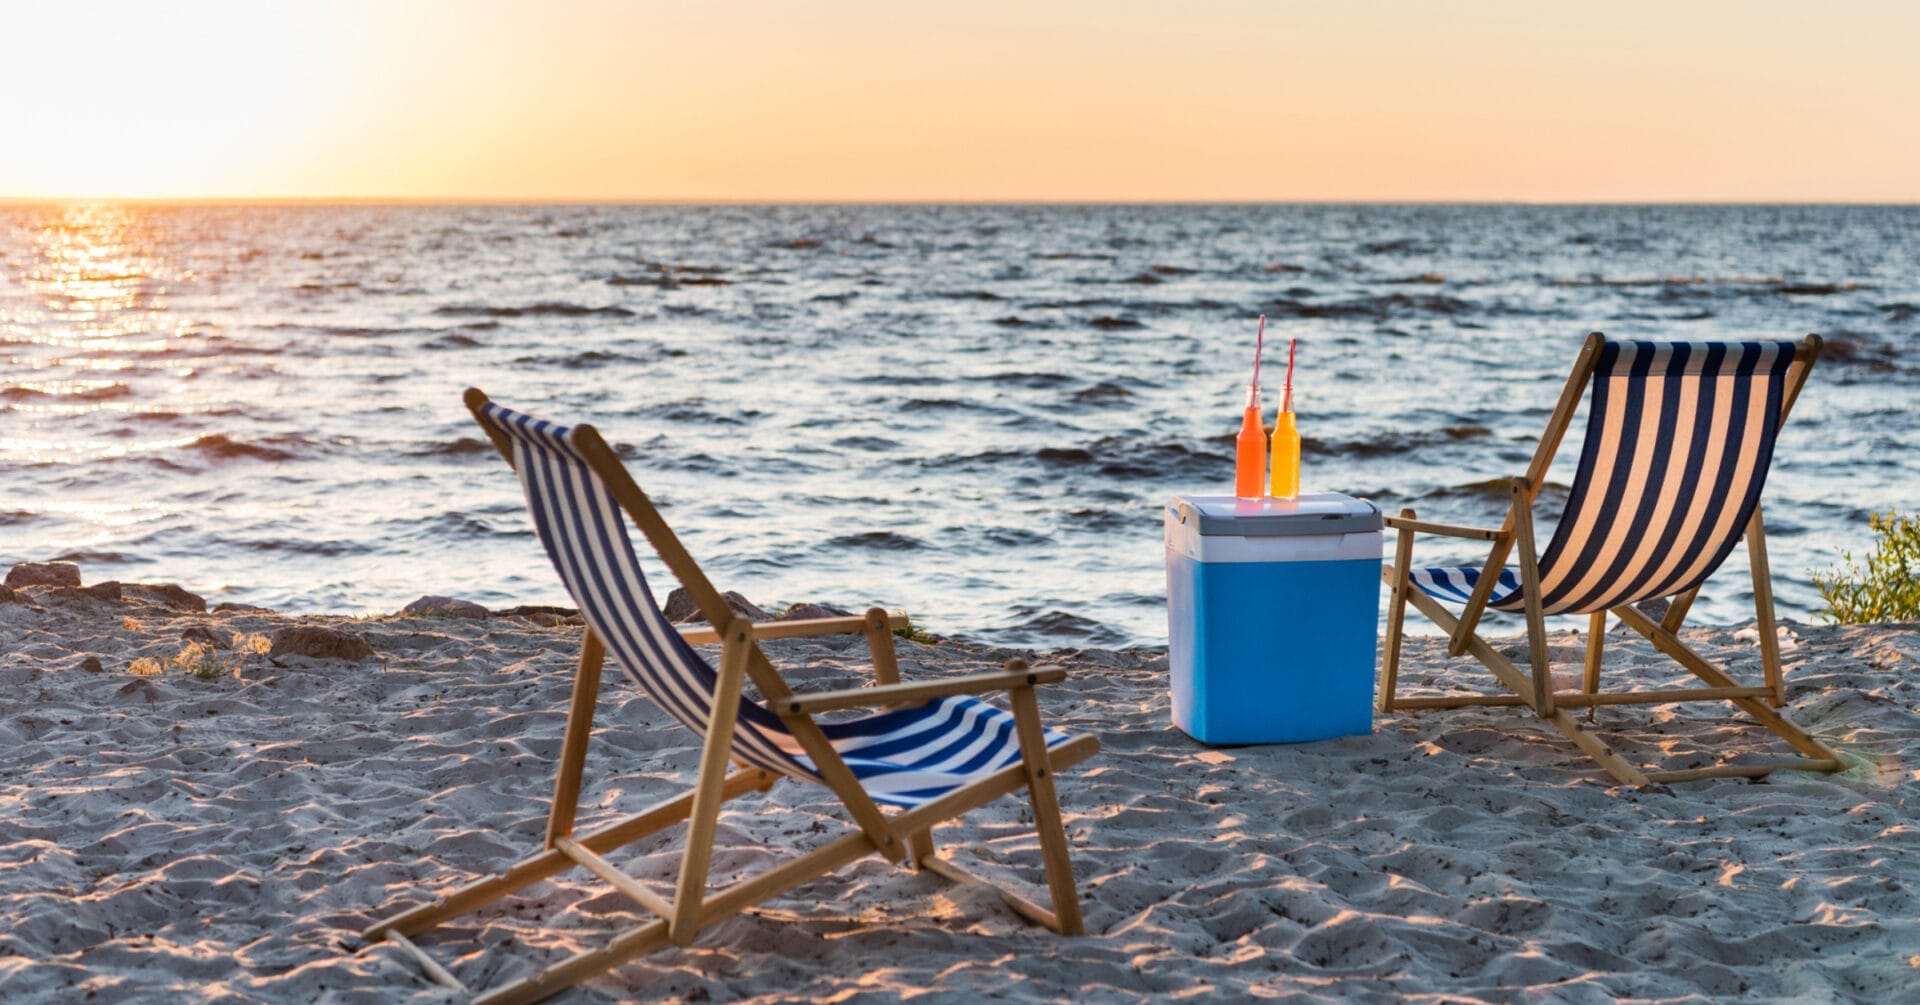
[[1286, 456], [1250, 454]]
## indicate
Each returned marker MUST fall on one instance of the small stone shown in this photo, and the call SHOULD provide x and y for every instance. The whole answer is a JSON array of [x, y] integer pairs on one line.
[[108, 590], [538, 613], [233, 608], [680, 607], [318, 643], [166, 595], [201, 633], [443, 607], [807, 612], [44, 574], [92, 665]]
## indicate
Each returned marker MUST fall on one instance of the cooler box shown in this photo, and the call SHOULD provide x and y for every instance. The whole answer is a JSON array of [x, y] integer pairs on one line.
[[1273, 607]]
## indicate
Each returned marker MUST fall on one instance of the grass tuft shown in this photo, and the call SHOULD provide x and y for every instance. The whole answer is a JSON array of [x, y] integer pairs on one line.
[[203, 661], [1883, 587]]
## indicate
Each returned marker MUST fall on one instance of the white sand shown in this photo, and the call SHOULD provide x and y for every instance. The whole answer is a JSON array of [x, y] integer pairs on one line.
[[168, 838]]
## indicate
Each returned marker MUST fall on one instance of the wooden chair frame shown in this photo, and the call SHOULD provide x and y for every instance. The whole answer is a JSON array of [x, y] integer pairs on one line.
[[1536, 690], [904, 835]]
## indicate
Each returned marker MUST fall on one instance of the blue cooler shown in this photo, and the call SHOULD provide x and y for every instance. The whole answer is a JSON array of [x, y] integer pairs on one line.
[[1273, 607]]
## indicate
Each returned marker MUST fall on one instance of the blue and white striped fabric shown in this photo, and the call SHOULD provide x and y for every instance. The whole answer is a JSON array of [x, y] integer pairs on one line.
[[1679, 439], [904, 757], [1454, 584]]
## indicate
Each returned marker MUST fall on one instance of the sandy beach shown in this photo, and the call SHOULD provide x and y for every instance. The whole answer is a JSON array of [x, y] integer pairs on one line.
[[167, 837]]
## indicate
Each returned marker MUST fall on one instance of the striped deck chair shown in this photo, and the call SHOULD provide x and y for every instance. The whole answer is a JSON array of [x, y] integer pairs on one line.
[[936, 753], [1679, 439]]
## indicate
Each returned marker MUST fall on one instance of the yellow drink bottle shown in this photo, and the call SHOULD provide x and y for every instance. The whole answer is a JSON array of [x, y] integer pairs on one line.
[[1286, 456], [1250, 460]]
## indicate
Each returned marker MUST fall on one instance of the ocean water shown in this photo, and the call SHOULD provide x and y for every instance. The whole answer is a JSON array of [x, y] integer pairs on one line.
[[972, 412]]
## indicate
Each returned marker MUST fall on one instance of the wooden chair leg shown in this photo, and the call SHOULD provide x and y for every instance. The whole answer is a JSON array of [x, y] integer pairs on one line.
[[1046, 811], [573, 747], [714, 755], [1399, 580], [879, 632], [1596, 647], [1677, 610], [920, 848], [1469, 620], [1763, 608], [1530, 593]]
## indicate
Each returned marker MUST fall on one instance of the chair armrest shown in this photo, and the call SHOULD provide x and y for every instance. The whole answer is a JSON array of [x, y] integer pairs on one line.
[[701, 635], [913, 694], [1446, 529]]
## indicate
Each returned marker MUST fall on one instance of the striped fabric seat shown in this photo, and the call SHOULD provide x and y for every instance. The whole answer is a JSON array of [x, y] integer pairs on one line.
[[1679, 439], [1454, 583], [904, 757]]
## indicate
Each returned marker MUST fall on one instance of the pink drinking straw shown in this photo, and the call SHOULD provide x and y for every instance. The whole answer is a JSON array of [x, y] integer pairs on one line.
[[1286, 397], [1260, 341]]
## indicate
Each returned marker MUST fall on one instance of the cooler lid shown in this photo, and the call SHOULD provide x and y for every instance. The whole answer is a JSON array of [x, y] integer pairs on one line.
[[1311, 513]]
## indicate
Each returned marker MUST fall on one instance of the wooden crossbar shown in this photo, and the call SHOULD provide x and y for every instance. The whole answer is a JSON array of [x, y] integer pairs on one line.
[[438, 974], [917, 693], [1459, 701], [1664, 697], [1571, 699], [1751, 769], [701, 635], [614, 877], [1023, 906]]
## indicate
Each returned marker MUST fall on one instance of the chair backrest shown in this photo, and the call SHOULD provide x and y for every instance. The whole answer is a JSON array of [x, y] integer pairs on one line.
[[579, 523], [1679, 439]]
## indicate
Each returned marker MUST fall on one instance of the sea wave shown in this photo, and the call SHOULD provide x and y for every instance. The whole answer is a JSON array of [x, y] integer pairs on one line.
[[877, 540], [1390, 443], [67, 391], [537, 310], [219, 447]]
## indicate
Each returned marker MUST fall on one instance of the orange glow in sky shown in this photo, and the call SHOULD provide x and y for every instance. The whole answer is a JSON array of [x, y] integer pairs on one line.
[[846, 100]]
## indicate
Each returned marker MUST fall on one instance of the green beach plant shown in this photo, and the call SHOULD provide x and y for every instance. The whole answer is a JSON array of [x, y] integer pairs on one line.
[[203, 660], [913, 634], [1884, 587]]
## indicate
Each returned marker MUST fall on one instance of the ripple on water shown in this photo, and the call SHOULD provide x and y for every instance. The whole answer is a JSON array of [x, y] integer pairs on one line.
[[877, 540]]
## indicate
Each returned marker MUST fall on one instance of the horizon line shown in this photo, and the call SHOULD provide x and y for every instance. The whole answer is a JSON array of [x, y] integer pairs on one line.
[[264, 201]]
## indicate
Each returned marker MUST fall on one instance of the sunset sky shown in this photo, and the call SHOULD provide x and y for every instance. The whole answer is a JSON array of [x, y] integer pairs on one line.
[[846, 100]]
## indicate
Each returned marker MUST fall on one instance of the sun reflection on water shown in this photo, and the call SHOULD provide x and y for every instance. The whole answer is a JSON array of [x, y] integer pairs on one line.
[[92, 314]]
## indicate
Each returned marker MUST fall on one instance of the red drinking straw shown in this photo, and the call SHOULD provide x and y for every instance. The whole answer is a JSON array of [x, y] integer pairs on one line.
[[1286, 397], [1259, 341]]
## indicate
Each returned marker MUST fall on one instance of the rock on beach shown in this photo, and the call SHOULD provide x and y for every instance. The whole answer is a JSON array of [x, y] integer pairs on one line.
[[680, 607], [44, 574], [317, 643], [435, 606]]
